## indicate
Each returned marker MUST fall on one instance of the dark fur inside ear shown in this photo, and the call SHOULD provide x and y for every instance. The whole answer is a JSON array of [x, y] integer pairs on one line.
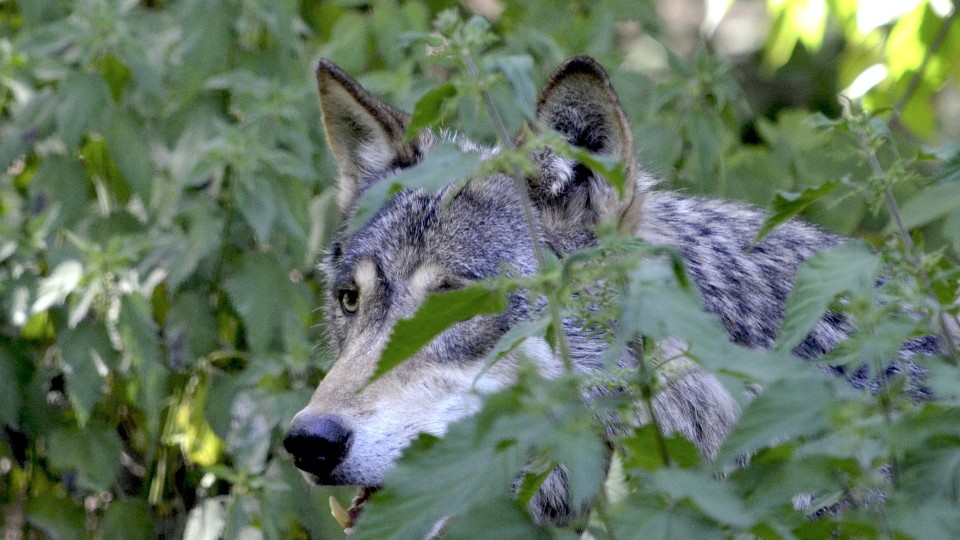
[[579, 102], [365, 134]]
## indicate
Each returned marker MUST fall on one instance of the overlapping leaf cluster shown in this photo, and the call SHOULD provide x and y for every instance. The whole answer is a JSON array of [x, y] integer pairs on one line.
[[164, 199]]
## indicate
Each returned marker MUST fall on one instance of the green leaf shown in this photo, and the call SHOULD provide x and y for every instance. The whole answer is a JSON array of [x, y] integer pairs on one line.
[[517, 334], [642, 450], [712, 497], [116, 74], [933, 202], [442, 166], [191, 326], [257, 202], [933, 473], [218, 406], [435, 315], [935, 519], [62, 183], [349, 42], [786, 409], [825, 275], [262, 293], [774, 477], [429, 109], [100, 165], [92, 452], [583, 452], [54, 289], [787, 205], [951, 230], [499, 519], [127, 520], [204, 235], [650, 517], [519, 71], [83, 98], [86, 353], [474, 476], [206, 42], [59, 518], [11, 387], [138, 332], [128, 149], [706, 131]]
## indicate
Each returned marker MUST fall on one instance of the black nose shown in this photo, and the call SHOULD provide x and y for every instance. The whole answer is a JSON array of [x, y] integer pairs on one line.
[[318, 444]]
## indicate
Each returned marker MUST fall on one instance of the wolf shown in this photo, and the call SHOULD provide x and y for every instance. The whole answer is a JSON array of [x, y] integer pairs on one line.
[[417, 243]]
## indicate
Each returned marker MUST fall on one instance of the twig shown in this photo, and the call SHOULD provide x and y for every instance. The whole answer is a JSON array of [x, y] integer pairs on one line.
[[891, 200], [912, 257], [647, 391]]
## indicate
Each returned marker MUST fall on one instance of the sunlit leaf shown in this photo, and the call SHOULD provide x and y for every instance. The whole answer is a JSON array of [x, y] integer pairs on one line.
[[55, 288]]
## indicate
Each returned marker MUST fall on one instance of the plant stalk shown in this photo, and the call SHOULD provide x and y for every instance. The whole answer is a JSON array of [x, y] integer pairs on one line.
[[556, 317], [911, 255]]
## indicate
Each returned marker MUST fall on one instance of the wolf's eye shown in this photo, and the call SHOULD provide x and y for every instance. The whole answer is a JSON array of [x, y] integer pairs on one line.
[[349, 298]]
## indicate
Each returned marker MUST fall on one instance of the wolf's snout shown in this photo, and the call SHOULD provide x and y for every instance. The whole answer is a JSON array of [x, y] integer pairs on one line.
[[318, 443]]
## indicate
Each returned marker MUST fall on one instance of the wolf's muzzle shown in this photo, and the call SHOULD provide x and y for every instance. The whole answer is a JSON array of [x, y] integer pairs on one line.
[[318, 444]]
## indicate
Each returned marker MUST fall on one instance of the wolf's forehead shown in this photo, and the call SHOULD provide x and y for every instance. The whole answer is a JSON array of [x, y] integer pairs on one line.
[[472, 233], [396, 232]]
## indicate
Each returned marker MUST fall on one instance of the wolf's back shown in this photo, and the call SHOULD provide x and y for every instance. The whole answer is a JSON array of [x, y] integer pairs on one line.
[[747, 285]]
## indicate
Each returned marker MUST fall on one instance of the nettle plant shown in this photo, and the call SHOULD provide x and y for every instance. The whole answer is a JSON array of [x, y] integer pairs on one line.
[[803, 437]]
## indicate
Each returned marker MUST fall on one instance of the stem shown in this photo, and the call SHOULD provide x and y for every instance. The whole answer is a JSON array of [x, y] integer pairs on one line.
[[600, 507], [911, 255], [647, 392], [523, 191]]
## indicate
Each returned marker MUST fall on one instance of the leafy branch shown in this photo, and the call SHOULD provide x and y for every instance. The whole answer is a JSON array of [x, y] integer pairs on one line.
[[464, 45]]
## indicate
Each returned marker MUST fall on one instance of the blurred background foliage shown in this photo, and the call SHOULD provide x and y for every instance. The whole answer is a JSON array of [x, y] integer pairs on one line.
[[166, 193]]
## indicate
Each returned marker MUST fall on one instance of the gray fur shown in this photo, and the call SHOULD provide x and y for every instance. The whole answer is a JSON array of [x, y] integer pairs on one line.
[[419, 242]]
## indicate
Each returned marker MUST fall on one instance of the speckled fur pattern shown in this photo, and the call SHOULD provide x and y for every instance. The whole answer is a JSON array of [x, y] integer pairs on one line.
[[417, 243]]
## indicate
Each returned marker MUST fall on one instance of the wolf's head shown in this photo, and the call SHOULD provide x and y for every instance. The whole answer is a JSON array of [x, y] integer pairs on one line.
[[418, 243]]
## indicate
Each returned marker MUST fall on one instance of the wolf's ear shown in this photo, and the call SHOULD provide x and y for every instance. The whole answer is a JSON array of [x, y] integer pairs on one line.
[[365, 134], [580, 103]]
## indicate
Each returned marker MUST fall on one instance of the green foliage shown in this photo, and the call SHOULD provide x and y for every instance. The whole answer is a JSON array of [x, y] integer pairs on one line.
[[823, 277], [164, 199], [435, 315]]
